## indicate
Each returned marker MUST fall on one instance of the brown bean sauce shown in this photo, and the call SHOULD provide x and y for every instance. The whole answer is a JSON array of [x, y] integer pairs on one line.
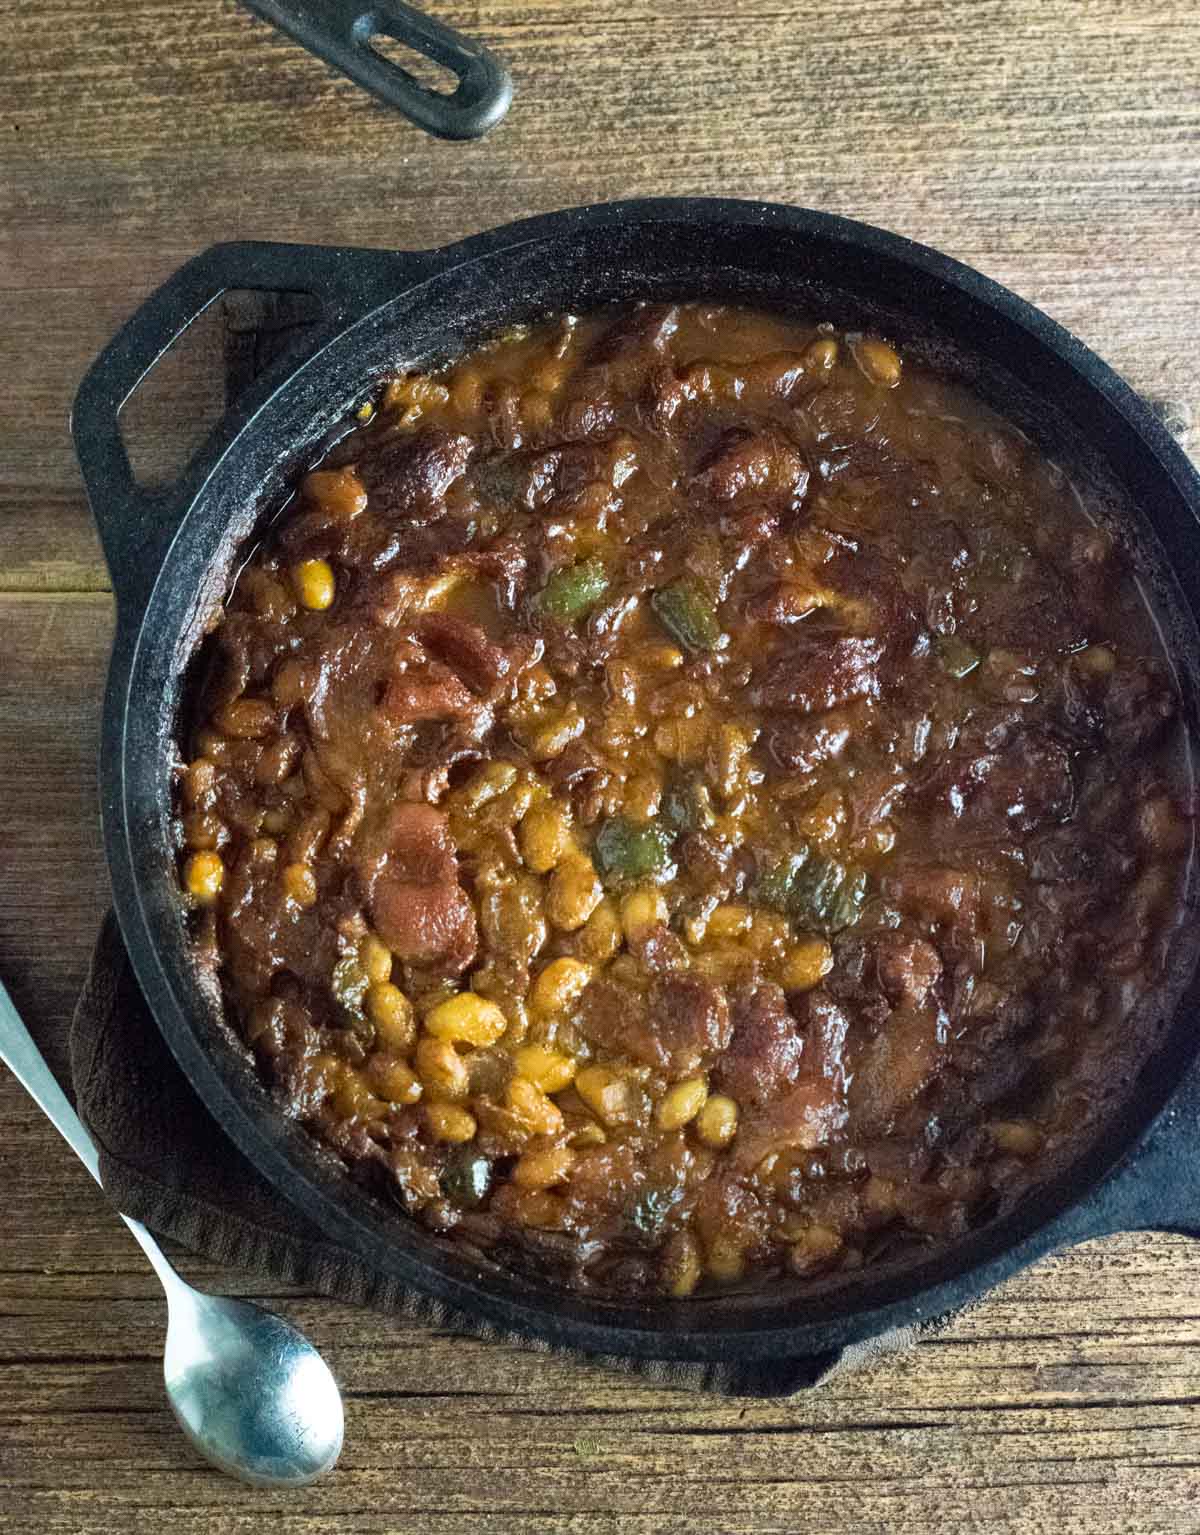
[[683, 797]]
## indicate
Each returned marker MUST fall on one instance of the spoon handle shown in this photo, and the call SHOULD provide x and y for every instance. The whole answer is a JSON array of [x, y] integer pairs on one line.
[[25, 1060]]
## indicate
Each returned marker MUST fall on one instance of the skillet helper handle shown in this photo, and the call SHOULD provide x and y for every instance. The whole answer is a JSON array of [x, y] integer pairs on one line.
[[136, 523], [1157, 1187], [340, 33]]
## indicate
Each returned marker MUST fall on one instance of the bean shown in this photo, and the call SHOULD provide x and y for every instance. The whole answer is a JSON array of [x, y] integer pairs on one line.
[[375, 958], [299, 884], [548, 1069], [199, 782], [728, 921], [393, 1080], [277, 761], [533, 1108], [507, 809], [392, 1014], [353, 1098], [309, 836], [806, 963], [348, 985], [289, 686], [413, 394], [1098, 660], [540, 1208], [543, 837], [682, 1103], [203, 831], [466, 392], [600, 937], [246, 718], [491, 780], [682, 740], [607, 1095], [556, 735], [315, 584], [448, 1123], [588, 1133], [559, 985], [727, 964], [717, 1121], [817, 1248], [660, 656], [339, 492], [204, 874], [574, 893], [643, 796], [642, 909], [442, 1070], [821, 355], [215, 747], [543, 1169], [879, 362], [467, 1019]]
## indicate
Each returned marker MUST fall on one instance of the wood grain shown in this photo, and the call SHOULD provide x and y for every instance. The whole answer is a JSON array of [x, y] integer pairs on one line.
[[1057, 148]]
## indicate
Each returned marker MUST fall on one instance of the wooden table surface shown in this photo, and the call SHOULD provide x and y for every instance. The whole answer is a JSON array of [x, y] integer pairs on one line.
[[1057, 147]]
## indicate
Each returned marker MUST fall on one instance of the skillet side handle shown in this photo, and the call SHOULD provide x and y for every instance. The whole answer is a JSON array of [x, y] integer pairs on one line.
[[136, 523], [775, 1377], [1158, 1187], [341, 33]]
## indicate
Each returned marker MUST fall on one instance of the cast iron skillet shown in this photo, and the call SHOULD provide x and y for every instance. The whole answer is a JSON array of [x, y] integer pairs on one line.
[[171, 552]]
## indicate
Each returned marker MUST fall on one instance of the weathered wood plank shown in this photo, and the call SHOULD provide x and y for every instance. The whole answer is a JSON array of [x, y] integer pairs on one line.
[[1057, 149]]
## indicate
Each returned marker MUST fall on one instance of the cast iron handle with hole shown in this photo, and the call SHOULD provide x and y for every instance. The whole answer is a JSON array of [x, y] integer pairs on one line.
[[341, 33]]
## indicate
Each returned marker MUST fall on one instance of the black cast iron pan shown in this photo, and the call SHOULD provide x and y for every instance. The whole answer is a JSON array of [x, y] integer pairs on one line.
[[171, 552]]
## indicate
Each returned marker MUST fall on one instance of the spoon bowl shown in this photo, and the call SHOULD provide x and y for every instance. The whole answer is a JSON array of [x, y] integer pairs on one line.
[[250, 1392]]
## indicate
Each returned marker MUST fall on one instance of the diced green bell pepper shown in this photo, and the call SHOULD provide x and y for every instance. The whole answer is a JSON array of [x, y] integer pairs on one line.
[[687, 614], [817, 893], [466, 1178], [628, 852], [774, 885], [572, 592]]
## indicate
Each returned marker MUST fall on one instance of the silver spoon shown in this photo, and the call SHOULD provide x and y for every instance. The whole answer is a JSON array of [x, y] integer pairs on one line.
[[250, 1392]]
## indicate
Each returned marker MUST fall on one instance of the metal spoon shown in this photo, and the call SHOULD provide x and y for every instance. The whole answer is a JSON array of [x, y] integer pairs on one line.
[[250, 1392]]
